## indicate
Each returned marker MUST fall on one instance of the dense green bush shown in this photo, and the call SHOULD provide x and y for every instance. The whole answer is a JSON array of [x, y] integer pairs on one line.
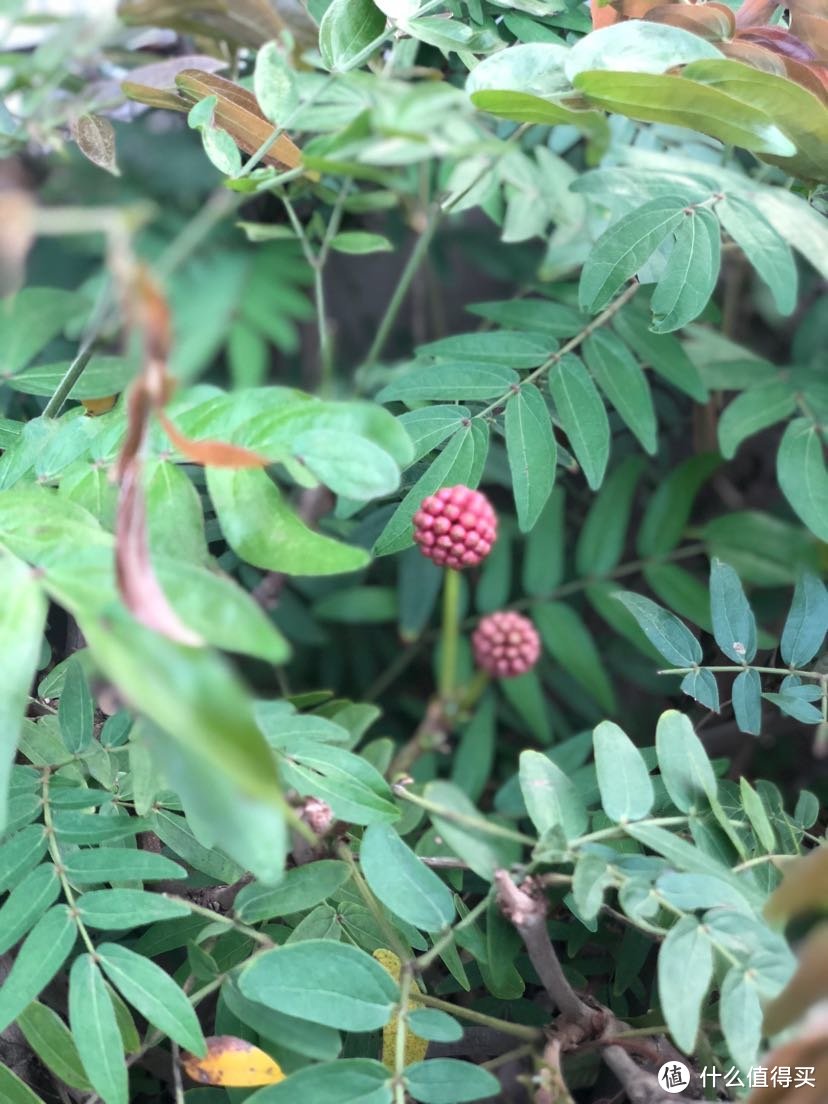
[[275, 272]]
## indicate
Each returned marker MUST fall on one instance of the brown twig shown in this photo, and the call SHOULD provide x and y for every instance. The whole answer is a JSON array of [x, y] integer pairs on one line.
[[640, 1085], [525, 906]]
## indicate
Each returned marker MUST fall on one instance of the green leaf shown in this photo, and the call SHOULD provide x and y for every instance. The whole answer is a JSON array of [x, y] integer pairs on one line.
[[358, 242], [354, 789], [108, 864], [663, 352], [552, 800], [669, 509], [119, 909], [219, 610], [503, 347], [322, 981], [452, 466], [301, 1036], [175, 518], [95, 1031], [677, 101], [453, 380], [243, 497], [347, 29], [189, 693], [251, 831], [222, 150], [534, 315], [300, 889], [76, 711], [637, 47], [685, 970], [481, 850], [570, 643], [522, 107], [22, 617], [802, 474], [103, 376], [358, 605], [752, 411], [51, 1040], [348, 1081], [473, 758], [740, 1014], [26, 904], [20, 853], [746, 697], [30, 320], [350, 465], [603, 534], [766, 250], [756, 814], [543, 557], [439, 1027], [154, 994], [691, 272], [685, 768], [623, 382], [16, 1091], [623, 779], [431, 425], [701, 685], [590, 879], [177, 835], [807, 621], [450, 1081], [403, 883], [627, 245], [583, 417], [41, 955], [664, 631], [82, 827], [274, 84], [532, 452], [734, 625]]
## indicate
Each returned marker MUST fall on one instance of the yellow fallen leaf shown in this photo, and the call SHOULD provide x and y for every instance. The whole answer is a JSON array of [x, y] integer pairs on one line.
[[232, 1062], [415, 1046], [94, 407]]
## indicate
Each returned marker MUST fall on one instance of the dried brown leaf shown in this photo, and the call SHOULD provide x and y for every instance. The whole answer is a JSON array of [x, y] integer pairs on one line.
[[213, 454], [95, 138]]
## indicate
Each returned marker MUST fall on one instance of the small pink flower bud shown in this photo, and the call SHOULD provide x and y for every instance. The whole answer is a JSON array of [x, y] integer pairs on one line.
[[456, 527], [505, 644]]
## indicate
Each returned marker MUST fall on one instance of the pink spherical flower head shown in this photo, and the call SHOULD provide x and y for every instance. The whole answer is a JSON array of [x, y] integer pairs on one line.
[[456, 527], [505, 645]]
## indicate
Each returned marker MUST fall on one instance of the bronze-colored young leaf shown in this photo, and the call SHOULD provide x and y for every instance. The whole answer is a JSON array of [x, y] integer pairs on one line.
[[95, 138], [242, 22], [238, 113]]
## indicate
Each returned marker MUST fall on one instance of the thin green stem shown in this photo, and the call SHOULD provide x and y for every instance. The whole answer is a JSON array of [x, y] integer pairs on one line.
[[781, 671], [597, 322], [278, 131], [447, 938], [220, 918], [406, 981], [618, 830], [476, 824], [394, 942], [450, 633], [220, 204], [54, 851], [520, 1031], [403, 284]]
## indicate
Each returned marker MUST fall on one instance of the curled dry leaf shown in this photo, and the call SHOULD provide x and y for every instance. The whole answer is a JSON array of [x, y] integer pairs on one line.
[[214, 454], [233, 1063], [137, 583], [95, 138]]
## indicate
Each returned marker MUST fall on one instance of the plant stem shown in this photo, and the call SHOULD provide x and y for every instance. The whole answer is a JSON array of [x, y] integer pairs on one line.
[[54, 851], [450, 634], [394, 942], [520, 1031], [406, 981], [476, 824], [781, 671], [597, 322], [434, 952], [404, 283]]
